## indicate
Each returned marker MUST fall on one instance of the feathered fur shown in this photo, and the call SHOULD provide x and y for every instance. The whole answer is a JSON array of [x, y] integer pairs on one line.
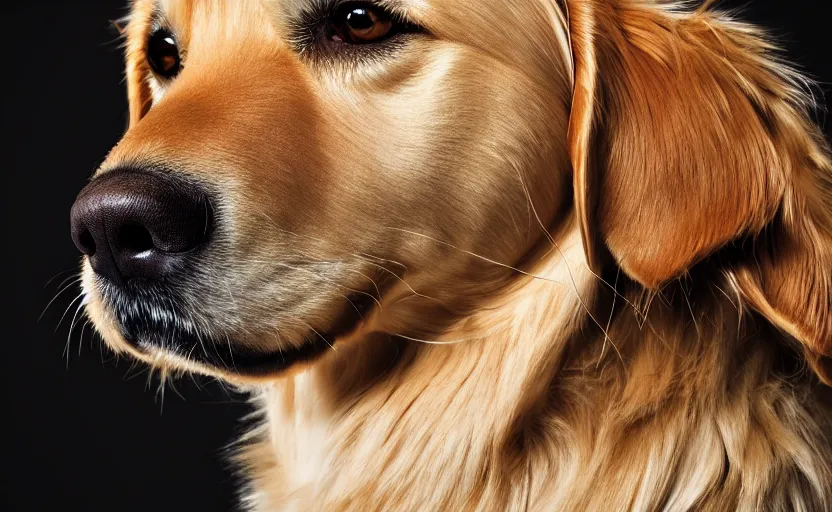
[[606, 225]]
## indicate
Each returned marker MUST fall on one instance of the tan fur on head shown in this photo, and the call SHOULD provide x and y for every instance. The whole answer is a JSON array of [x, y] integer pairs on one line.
[[599, 233]]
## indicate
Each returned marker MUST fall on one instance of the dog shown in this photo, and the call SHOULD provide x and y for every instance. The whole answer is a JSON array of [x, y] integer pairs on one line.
[[495, 255]]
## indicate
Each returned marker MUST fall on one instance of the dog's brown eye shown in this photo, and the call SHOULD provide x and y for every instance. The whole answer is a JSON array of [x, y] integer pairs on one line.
[[351, 30], [163, 54], [358, 23]]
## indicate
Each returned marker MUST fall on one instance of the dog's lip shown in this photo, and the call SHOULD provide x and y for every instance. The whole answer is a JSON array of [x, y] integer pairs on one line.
[[256, 363], [225, 355]]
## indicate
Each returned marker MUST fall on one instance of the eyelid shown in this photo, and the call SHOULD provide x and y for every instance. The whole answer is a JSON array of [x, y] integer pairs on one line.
[[308, 30], [322, 10], [397, 13], [158, 20]]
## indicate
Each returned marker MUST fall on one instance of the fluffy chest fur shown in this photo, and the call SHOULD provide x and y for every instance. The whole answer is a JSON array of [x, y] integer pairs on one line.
[[528, 408]]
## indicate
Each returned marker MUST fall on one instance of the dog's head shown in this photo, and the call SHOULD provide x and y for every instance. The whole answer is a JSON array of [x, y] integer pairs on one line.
[[300, 171]]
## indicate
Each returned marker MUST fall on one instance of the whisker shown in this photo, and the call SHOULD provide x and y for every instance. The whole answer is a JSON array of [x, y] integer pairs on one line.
[[319, 335], [315, 274], [609, 322], [80, 295], [690, 308], [378, 292], [384, 260], [566, 262], [434, 342], [78, 277], [193, 377], [322, 241], [557, 247], [81, 337], [414, 292], [301, 269], [202, 344], [191, 352], [475, 255], [280, 344], [67, 287], [738, 307], [614, 289], [62, 272], [151, 369], [69, 334], [135, 371], [172, 384], [231, 352], [160, 390]]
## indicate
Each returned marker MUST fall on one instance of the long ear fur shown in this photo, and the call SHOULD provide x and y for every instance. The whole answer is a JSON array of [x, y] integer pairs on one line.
[[686, 136]]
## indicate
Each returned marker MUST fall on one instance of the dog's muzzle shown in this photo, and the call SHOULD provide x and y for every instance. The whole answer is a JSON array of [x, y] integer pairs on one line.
[[152, 238]]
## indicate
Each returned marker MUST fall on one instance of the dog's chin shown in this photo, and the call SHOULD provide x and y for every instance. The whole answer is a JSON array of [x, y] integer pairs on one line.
[[182, 345], [226, 357]]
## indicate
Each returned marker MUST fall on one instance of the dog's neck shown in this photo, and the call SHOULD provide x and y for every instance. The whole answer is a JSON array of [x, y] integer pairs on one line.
[[534, 401]]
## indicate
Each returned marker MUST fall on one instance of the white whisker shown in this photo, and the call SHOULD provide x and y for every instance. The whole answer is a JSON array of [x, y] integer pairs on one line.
[[414, 292], [301, 269], [318, 334], [80, 295], [434, 342], [61, 291], [566, 262], [475, 255]]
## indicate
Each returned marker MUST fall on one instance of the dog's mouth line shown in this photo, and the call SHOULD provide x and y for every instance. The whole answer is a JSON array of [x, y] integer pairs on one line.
[[245, 361], [223, 354]]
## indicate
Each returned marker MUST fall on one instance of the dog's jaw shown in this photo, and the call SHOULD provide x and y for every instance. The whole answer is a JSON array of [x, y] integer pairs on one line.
[[535, 393], [482, 370]]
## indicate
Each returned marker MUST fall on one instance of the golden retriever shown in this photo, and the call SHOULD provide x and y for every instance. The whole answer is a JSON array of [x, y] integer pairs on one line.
[[478, 254]]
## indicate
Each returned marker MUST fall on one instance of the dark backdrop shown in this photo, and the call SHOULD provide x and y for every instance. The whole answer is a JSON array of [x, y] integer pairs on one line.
[[89, 434]]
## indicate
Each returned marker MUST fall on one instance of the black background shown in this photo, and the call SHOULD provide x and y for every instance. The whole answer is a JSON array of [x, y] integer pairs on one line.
[[90, 434]]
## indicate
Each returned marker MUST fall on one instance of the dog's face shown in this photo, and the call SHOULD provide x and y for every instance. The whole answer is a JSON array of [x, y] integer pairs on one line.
[[299, 173], [299, 170]]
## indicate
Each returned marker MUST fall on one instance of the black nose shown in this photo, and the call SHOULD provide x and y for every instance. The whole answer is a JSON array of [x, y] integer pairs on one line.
[[140, 224]]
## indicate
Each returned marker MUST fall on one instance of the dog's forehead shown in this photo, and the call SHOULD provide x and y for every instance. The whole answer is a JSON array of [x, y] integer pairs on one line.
[[292, 7], [187, 13], [217, 19], [487, 18]]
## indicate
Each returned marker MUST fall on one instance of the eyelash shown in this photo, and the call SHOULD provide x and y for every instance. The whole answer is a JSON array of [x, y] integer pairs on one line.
[[312, 33]]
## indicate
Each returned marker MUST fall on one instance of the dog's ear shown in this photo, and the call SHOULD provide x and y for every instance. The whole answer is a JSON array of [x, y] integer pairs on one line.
[[789, 281], [685, 136], [134, 29]]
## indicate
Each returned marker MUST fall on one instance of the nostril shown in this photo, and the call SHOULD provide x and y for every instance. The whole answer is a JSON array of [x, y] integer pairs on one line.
[[86, 243], [134, 239], [140, 224]]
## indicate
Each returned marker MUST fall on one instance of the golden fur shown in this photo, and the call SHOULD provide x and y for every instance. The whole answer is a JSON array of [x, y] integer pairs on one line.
[[607, 229]]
